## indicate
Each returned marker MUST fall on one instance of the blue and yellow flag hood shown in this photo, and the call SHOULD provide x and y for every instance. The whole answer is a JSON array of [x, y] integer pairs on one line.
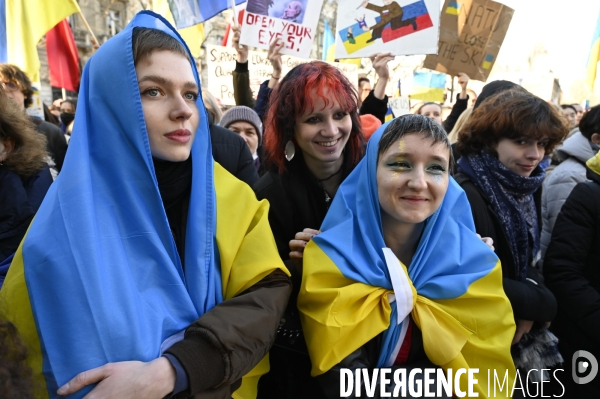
[[453, 287], [98, 278]]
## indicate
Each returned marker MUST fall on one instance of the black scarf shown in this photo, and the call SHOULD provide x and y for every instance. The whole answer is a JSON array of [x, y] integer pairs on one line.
[[174, 183]]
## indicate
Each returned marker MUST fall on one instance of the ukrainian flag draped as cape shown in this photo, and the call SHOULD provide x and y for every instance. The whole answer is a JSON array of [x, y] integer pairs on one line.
[[453, 285], [97, 278]]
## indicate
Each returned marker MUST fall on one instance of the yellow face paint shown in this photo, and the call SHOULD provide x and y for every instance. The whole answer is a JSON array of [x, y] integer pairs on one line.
[[401, 146]]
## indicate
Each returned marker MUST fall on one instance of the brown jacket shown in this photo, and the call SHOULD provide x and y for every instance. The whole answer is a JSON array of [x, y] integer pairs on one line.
[[215, 355]]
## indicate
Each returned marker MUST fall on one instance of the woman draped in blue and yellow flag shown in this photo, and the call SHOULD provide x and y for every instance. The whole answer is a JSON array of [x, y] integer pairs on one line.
[[398, 269], [144, 246]]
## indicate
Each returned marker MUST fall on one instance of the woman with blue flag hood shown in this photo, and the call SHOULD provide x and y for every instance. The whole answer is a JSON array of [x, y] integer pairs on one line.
[[148, 270], [398, 277]]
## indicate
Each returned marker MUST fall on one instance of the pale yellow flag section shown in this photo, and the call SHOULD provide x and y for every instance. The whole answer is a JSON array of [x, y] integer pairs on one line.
[[245, 259], [27, 21], [193, 36]]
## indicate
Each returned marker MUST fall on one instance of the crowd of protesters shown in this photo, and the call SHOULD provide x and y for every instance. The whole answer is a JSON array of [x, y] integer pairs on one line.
[[152, 245]]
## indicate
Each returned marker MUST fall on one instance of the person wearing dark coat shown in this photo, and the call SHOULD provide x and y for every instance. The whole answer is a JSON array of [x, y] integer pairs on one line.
[[308, 153], [572, 272], [18, 88], [232, 153], [24, 177], [502, 145]]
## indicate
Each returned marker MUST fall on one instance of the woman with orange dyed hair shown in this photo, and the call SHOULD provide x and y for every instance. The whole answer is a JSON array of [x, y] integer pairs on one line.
[[313, 140]]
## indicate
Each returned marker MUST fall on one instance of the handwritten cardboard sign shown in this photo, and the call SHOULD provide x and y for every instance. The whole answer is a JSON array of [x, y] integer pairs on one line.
[[294, 21], [220, 65], [399, 105], [471, 34], [397, 26]]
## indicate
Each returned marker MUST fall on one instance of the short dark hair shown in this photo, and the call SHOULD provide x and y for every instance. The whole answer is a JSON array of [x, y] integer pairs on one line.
[[590, 122], [14, 74], [363, 79], [511, 114], [146, 41], [409, 124], [566, 106]]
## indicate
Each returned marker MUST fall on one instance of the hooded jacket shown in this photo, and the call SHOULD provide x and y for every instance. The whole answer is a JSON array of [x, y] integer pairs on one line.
[[575, 151]]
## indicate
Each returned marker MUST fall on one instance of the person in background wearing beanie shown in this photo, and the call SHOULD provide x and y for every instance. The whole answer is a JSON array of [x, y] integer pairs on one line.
[[245, 122], [573, 154], [228, 149], [18, 88]]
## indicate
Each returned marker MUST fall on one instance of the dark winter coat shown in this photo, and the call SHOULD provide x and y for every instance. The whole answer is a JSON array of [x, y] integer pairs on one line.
[[297, 201], [572, 268], [19, 201], [530, 300]]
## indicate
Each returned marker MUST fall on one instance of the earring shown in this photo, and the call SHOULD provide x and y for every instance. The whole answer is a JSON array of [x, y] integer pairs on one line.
[[290, 150]]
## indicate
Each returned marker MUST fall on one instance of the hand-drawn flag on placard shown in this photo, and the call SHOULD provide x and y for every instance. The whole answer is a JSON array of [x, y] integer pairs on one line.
[[192, 12], [417, 12], [355, 37], [488, 61], [453, 8], [428, 86]]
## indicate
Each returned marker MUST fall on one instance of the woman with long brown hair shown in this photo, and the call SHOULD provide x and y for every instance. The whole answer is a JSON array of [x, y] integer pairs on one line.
[[24, 176]]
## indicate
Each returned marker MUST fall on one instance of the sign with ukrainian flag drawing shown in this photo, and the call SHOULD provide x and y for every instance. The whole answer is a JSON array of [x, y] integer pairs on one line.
[[401, 27], [471, 34]]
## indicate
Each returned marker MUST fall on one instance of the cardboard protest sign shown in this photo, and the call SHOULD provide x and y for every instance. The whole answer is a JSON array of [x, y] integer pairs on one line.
[[397, 26], [471, 34], [294, 21], [220, 64]]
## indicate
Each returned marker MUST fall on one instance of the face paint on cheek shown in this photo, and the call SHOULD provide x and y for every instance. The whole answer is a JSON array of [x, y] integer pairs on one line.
[[438, 178]]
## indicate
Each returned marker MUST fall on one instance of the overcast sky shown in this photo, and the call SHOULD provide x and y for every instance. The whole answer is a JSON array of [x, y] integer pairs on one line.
[[565, 27]]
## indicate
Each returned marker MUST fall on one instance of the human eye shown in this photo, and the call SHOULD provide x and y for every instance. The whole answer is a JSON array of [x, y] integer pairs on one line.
[[312, 120], [340, 115], [398, 164], [191, 95], [436, 169], [543, 143], [151, 92], [520, 141]]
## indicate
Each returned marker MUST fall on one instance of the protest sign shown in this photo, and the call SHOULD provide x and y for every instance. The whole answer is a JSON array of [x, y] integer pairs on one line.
[[220, 64], [471, 33], [399, 105], [294, 21], [398, 26]]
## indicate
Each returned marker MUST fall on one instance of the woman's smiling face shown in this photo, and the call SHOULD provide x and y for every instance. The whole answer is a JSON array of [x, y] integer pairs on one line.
[[322, 132], [412, 179]]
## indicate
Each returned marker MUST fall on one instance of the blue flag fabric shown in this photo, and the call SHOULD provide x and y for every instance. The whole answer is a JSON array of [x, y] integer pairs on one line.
[[104, 213]]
